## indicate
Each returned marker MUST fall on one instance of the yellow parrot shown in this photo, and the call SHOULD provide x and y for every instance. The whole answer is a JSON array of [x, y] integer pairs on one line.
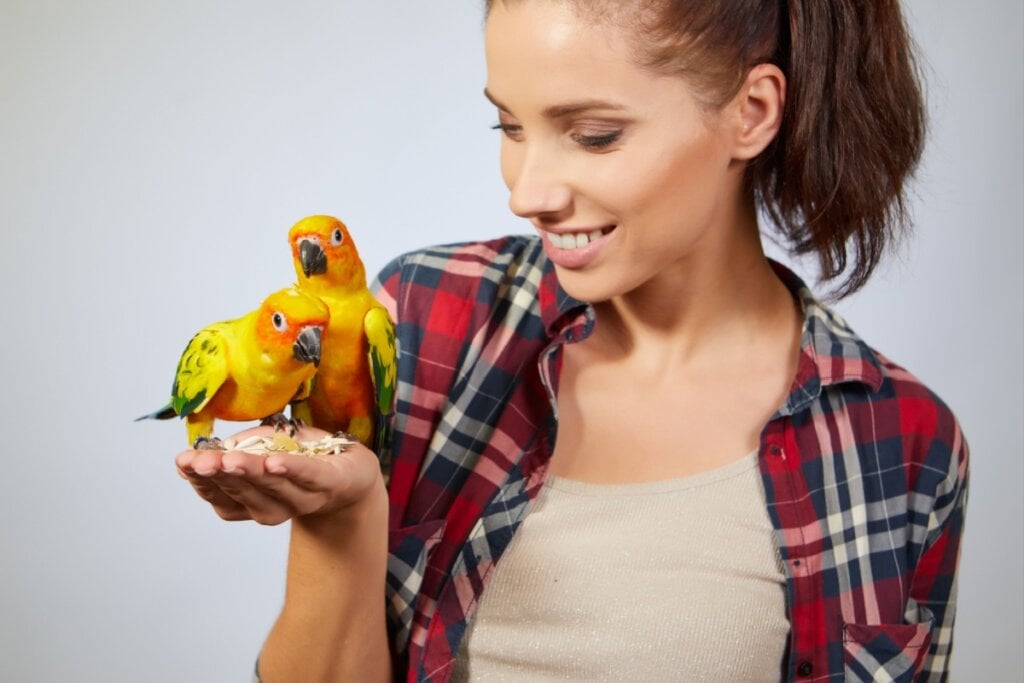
[[250, 367], [355, 386]]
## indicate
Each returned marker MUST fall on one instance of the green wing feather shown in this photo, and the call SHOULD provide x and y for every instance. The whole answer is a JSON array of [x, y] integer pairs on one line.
[[201, 371], [380, 337]]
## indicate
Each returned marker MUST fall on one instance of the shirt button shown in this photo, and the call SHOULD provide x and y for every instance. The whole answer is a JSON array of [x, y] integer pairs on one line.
[[774, 449], [805, 668]]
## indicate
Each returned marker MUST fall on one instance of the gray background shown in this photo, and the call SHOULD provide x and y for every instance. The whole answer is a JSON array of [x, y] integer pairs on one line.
[[152, 158]]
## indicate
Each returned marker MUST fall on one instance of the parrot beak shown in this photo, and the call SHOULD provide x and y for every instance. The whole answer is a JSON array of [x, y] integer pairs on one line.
[[307, 346], [312, 258]]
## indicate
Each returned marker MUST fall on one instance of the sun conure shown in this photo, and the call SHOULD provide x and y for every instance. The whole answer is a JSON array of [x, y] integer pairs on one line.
[[248, 368], [355, 386]]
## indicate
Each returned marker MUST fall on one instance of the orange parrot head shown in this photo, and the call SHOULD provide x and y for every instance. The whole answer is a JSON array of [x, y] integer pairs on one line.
[[290, 324], [324, 254]]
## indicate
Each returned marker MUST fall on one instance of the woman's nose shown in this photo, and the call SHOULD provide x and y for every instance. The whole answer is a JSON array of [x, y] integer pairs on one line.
[[537, 187]]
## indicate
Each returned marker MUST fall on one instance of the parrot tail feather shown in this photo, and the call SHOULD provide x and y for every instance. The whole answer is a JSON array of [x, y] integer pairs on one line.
[[382, 443], [165, 413]]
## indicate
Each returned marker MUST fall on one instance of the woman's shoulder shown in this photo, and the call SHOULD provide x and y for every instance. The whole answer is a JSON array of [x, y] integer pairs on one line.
[[923, 414], [508, 276], [504, 283], [878, 400], [889, 409], [465, 261]]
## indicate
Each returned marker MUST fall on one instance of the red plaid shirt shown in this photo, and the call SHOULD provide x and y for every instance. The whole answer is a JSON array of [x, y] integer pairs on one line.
[[864, 469]]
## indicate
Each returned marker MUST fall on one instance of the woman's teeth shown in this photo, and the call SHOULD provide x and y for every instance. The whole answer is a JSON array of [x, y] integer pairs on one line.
[[572, 240]]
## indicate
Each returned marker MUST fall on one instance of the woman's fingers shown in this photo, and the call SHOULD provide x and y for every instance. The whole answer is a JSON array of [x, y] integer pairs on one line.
[[226, 507], [260, 505], [238, 485], [246, 478], [200, 468], [203, 462]]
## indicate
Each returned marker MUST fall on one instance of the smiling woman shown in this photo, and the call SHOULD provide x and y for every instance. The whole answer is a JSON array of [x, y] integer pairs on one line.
[[631, 445]]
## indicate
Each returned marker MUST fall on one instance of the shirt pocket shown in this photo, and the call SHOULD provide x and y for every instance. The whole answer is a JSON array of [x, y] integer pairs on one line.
[[889, 652], [409, 549]]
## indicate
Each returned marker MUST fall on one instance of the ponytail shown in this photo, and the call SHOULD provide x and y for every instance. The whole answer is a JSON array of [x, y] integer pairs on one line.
[[853, 129]]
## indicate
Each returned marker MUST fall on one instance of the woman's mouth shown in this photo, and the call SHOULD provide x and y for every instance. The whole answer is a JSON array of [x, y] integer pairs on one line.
[[575, 249]]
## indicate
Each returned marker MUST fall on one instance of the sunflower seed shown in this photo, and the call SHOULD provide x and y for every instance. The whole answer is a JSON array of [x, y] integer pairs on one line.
[[282, 443]]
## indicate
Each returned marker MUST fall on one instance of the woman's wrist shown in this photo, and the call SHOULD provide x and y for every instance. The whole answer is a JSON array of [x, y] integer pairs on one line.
[[332, 625], [345, 524]]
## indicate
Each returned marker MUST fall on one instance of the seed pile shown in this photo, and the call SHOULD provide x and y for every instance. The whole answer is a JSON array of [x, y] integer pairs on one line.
[[282, 443]]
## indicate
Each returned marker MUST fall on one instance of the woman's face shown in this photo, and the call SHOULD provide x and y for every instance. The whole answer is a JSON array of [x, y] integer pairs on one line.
[[619, 169]]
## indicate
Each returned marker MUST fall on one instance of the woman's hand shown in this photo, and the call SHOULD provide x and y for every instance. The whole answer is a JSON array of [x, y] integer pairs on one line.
[[272, 489]]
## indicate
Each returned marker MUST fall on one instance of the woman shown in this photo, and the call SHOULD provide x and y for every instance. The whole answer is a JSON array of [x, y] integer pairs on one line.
[[740, 488]]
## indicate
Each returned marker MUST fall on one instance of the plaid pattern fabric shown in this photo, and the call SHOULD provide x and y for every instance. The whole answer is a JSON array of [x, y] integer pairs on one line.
[[864, 469]]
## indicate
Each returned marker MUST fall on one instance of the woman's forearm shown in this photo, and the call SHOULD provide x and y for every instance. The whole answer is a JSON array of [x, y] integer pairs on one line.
[[332, 626]]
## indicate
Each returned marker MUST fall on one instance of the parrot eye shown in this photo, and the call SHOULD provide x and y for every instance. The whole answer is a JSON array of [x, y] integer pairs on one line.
[[337, 237], [280, 324]]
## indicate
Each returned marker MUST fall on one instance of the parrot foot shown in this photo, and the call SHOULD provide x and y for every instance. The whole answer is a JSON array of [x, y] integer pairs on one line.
[[212, 443], [280, 422]]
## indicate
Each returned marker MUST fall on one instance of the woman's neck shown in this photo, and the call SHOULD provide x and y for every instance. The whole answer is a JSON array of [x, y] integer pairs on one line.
[[723, 300]]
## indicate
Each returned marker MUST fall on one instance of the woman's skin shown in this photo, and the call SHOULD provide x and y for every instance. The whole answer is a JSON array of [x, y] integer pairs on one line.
[[696, 341]]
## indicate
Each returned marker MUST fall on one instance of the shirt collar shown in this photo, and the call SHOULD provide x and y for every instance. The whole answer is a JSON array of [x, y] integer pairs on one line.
[[830, 351]]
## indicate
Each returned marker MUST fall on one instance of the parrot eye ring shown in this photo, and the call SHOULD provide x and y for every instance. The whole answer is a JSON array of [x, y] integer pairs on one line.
[[280, 324], [337, 237]]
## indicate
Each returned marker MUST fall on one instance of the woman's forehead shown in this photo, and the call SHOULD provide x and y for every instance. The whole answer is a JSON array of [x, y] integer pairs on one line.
[[549, 34], [541, 52]]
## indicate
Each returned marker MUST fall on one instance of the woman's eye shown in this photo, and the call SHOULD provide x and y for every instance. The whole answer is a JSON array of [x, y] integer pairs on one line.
[[510, 130], [597, 141]]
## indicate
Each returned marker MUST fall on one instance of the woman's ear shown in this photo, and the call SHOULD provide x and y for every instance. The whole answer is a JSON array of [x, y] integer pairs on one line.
[[759, 105]]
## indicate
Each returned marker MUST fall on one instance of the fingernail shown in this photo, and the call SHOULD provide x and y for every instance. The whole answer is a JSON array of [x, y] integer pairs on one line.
[[276, 468], [203, 471], [229, 469]]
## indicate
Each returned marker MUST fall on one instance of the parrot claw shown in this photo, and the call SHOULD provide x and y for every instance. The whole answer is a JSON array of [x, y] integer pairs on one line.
[[212, 443], [280, 422]]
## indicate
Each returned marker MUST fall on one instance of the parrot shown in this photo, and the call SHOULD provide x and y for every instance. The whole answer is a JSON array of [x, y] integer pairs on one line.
[[248, 368], [355, 386]]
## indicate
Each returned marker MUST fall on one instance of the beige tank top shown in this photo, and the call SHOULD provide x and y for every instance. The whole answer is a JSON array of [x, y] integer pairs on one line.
[[676, 580]]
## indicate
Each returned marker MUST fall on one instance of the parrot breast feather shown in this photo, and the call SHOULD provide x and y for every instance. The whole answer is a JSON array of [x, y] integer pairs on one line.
[[201, 371]]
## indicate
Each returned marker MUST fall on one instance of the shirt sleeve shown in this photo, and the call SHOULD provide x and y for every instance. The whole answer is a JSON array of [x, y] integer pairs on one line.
[[934, 584]]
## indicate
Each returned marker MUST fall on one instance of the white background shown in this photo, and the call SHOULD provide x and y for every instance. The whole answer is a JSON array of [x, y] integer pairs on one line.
[[152, 158]]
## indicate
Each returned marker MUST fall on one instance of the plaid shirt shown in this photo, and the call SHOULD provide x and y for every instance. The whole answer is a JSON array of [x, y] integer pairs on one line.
[[864, 469]]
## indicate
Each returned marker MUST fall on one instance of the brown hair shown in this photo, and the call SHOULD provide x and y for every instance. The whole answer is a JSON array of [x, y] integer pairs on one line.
[[834, 179]]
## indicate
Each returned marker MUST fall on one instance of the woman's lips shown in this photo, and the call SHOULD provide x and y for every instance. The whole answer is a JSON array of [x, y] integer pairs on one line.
[[574, 248]]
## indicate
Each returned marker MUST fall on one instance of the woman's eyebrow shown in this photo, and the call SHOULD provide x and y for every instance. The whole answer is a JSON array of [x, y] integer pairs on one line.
[[562, 110]]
